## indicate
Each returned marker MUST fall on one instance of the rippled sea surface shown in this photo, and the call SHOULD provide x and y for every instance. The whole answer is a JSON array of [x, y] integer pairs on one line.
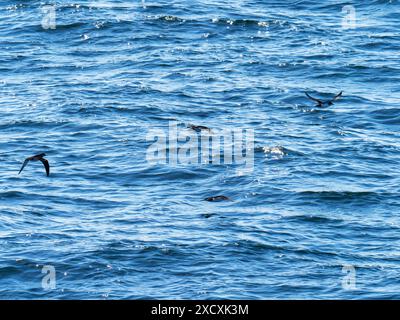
[[320, 207]]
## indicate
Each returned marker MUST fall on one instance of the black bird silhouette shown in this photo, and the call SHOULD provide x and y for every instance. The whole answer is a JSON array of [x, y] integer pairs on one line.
[[321, 103], [38, 157], [217, 198], [198, 128]]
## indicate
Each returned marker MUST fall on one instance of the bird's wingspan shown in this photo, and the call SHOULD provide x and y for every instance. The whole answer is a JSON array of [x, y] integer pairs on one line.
[[339, 95], [24, 165], [314, 99], [46, 165]]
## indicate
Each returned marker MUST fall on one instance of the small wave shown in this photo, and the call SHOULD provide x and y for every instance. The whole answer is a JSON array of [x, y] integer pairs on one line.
[[9, 271], [32, 123], [276, 151], [170, 19], [241, 22], [387, 116], [11, 194], [340, 195], [316, 252], [71, 26], [251, 22], [252, 245], [313, 219]]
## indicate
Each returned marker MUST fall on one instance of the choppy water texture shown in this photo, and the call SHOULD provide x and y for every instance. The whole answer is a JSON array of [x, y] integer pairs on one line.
[[325, 187]]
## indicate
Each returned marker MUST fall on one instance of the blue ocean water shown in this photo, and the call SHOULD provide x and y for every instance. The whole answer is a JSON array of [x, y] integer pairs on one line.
[[321, 204]]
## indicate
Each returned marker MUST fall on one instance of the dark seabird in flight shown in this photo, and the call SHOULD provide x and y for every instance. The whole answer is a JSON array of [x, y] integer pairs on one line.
[[321, 103], [217, 198], [198, 128], [40, 158]]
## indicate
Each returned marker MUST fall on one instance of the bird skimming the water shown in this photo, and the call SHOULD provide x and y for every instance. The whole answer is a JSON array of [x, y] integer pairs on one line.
[[321, 103], [198, 128], [38, 157]]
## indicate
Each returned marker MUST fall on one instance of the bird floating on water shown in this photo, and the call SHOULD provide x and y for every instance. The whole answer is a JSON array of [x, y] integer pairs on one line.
[[217, 198], [38, 157], [321, 103]]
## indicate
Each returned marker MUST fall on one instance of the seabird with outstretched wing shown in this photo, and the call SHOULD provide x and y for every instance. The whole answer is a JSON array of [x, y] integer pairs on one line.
[[38, 157], [321, 103]]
